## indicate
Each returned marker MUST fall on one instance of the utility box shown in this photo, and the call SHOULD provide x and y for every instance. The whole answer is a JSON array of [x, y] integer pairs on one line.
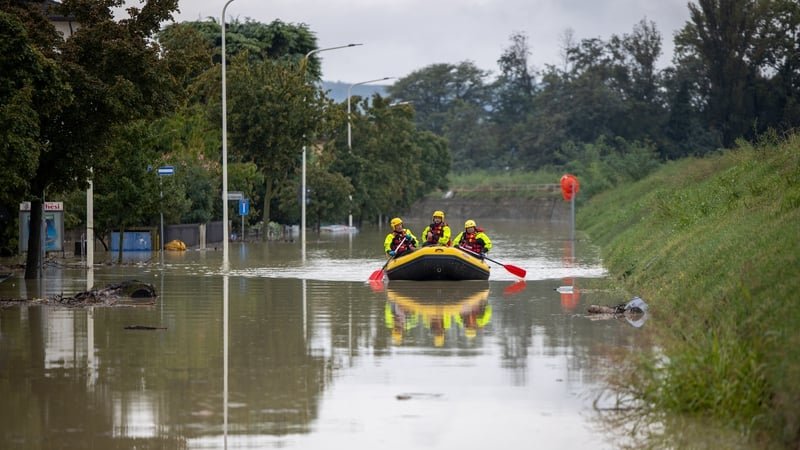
[[53, 231]]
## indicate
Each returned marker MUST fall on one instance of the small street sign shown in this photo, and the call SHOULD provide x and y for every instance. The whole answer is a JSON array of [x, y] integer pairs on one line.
[[235, 195], [244, 207], [166, 170]]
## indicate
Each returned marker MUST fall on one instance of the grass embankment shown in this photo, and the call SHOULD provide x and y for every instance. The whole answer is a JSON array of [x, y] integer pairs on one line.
[[713, 245]]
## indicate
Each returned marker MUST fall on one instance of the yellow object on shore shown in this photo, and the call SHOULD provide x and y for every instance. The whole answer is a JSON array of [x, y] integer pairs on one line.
[[175, 245]]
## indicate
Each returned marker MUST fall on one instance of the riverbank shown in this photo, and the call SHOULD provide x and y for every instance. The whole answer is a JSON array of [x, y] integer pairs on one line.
[[713, 245]]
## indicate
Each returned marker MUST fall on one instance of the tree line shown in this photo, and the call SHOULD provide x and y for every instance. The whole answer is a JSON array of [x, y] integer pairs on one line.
[[119, 98], [735, 74]]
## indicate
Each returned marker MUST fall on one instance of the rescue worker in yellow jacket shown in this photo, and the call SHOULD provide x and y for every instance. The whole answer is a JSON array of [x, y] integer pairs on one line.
[[400, 240], [473, 239], [438, 232]]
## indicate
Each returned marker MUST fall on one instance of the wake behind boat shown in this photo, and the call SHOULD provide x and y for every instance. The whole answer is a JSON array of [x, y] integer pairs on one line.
[[437, 263]]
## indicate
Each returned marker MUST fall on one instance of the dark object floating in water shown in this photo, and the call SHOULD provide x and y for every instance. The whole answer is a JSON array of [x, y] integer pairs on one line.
[[635, 311], [4, 276], [410, 395], [144, 327], [131, 292]]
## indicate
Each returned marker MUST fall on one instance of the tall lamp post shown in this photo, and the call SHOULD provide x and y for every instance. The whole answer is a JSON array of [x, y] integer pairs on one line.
[[225, 260], [349, 90], [303, 65]]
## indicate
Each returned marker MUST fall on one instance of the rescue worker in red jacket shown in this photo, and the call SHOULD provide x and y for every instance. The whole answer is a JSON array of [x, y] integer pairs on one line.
[[438, 232], [400, 240], [473, 239]]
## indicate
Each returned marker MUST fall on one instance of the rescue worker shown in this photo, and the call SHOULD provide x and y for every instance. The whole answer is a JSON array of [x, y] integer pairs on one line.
[[473, 239], [438, 232], [400, 240]]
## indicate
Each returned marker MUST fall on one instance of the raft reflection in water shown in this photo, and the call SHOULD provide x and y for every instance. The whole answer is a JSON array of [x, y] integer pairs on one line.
[[435, 310]]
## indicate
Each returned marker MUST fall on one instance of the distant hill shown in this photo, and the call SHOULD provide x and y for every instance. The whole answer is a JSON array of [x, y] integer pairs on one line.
[[337, 90]]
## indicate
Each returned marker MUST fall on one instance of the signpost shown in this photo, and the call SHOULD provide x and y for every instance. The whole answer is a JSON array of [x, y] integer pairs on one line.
[[235, 196], [166, 170], [569, 189], [244, 210], [163, 171]]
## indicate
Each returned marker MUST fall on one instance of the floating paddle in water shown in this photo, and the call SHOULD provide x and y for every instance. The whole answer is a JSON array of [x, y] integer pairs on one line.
[[514, 270], [378, 274]]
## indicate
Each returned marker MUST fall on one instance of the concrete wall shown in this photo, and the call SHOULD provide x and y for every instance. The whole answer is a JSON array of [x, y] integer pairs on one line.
[[551, 208]]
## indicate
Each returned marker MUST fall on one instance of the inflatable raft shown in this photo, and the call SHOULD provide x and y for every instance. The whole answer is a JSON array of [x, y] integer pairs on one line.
[[437, 263]]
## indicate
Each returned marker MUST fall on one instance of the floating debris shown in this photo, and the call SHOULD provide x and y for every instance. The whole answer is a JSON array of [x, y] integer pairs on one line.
[[635, 311], [143, 327]]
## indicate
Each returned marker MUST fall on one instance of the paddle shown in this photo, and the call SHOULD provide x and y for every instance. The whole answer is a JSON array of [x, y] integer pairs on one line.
[[514, 270], [378, 274]]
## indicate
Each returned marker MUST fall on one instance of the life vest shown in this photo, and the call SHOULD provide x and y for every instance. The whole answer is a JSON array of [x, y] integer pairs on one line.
[[437, 231], [468, 241], [406, 243]]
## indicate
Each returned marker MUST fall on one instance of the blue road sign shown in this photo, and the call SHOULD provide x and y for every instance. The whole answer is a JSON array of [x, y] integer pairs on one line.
[[244, 207], [166, 170]]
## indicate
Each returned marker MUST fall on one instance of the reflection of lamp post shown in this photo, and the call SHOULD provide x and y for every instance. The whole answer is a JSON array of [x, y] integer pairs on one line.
[[225, 261], [349, 89], [303, 65]]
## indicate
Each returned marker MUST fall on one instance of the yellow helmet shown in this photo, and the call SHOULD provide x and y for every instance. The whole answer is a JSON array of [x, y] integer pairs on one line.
[[396, 221], [439, 214], [469, 223]]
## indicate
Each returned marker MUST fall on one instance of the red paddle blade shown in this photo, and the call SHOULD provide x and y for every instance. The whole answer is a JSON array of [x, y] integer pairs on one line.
[[515, 288], [518, 271], [377, 275], [376, 285]]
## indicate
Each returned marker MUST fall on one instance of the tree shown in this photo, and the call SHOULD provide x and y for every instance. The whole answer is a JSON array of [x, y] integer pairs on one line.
[[188, 52], [128, 190], [722, 35], [32, 91], [515, 87], [638, 80], [115, 75], [275, 41], [435, 89], [272, 108]]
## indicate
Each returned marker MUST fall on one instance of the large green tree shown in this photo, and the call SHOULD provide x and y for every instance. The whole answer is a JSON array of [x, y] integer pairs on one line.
[[276, 41], [114, 73], [273, 112], [723, 37], [434, 90], [32, 91]]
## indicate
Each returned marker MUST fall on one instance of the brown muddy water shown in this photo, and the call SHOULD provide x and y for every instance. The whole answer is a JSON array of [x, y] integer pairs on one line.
[[301, 353]]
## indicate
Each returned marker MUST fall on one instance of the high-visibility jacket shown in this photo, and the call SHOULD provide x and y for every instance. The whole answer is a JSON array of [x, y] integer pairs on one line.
[[441, 234], [477, 242], [393, 242]]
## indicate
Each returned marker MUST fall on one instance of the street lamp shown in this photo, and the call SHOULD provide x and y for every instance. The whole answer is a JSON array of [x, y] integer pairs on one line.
[[349, 89], [225, 260], [303, 65]]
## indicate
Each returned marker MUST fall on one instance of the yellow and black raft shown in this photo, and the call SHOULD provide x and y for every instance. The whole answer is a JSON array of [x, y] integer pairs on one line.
[[437, 263]]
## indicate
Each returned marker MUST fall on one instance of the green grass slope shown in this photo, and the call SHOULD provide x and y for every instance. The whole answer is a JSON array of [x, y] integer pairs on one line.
[[713, 245]]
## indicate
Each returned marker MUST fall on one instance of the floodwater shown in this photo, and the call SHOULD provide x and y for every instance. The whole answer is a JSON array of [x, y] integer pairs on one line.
[[301, 353]]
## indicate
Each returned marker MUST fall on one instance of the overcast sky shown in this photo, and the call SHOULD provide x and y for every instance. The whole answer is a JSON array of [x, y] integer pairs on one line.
[[401, 36]]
